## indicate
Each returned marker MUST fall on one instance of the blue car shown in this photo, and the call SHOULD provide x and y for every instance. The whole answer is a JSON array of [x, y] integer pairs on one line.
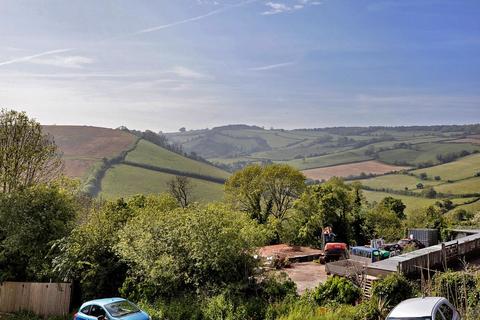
[[110, 309]]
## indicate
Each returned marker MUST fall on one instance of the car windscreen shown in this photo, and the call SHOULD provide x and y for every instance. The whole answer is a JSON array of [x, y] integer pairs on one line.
[[121, 308]]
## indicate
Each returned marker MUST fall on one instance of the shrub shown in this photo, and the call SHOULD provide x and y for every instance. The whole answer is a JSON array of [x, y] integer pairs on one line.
[[393, 289], [336, 290]]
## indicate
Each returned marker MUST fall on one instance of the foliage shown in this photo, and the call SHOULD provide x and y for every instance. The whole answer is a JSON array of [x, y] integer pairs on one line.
[[197, 248], [28, 156], [336, 290], [395, 205], [264, 191], [385, 223], [88, 256], [30, 221], [334, 204], [393, 289]]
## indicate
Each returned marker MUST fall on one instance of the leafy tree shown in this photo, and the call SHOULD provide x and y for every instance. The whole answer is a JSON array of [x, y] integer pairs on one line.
[[423, 176], [30, 221], [197, 248], [88, 255], [267, 190], [385, 223], [181, 189], [419, 185], [334, 204], [429, 193], [28, 156], [395, 205]]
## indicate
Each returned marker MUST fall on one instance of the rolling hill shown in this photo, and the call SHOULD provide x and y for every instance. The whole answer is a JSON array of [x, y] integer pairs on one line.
[[116, 163]]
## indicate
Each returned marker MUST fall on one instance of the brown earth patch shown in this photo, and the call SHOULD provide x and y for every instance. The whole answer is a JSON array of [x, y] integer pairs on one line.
[[351, 169], [82, 146]]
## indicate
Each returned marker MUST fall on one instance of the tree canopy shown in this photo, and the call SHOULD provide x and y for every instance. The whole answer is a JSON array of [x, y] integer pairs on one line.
[[27, 155]]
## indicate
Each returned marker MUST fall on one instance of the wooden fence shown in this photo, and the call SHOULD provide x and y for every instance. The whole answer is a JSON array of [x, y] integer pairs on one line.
[[44, 299]]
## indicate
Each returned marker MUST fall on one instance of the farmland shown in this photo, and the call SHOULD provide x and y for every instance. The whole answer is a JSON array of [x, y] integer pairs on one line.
[[125, 181], [145, 167], [352, 169], [151, 154], [83, 146]]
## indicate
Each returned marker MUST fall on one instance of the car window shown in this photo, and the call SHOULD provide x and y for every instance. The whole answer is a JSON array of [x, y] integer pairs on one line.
[[97, 311], [121, 308], [85, 310], [447, 311], [439, 316]]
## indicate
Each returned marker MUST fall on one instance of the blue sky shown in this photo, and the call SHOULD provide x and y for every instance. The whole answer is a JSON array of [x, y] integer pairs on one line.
[[201, 63]]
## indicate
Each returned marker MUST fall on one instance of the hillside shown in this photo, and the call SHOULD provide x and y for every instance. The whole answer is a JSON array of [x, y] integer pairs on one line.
[[84, 146], [236, 145], [458, 181], [116, 163]]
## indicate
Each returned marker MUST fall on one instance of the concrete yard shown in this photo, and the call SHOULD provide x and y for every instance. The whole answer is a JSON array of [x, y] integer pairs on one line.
[[307, 275]]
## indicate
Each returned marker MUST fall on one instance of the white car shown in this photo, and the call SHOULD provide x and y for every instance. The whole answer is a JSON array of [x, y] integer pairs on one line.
[[427, 308]]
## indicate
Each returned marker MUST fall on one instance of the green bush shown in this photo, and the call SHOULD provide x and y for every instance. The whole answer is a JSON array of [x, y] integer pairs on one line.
[[336, 290], [393, 289]]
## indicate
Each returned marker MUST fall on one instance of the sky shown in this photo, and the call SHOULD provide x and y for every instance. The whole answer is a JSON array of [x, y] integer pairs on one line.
[[166, 64]]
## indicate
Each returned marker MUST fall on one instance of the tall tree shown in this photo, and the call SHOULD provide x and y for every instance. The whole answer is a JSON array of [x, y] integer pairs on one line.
[[264, 191], [180, 188], [27, 155]]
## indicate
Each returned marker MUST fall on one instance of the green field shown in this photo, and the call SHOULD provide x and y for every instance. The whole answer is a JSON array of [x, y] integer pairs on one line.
[[396, 182], [466, 186], [306, 149], [423, 153], [462, 168], [125, 181], [151, 154], [412, 203]]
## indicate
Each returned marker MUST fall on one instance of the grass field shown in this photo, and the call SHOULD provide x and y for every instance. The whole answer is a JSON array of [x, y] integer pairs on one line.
[[411, 203], [151, 154], [327, 160], [460, 169], [396, 182], [125, 181], [471, 185], [425, 152], [352, 169], [83, 146]]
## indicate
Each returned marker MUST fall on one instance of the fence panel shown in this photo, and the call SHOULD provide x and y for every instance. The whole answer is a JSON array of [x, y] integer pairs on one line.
[[44, 299]]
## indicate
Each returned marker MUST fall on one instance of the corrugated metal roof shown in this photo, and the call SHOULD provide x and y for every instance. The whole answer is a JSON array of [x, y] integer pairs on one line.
[[391, 264]]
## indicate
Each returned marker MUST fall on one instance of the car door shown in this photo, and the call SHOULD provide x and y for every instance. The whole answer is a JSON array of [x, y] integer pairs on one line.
[[84, 313], [96, 311]]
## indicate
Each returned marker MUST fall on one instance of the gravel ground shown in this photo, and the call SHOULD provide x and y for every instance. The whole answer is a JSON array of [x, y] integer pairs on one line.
[[307, 275]]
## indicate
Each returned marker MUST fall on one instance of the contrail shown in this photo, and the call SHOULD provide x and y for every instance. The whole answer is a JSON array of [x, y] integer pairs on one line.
[[211, 13], [273, 66], [152, 29], [27, 58]]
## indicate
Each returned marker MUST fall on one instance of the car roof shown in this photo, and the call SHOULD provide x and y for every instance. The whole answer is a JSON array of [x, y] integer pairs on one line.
[[416, 307], [103, 302]]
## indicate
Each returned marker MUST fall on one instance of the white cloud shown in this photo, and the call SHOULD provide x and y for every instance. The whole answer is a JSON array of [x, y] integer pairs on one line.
[[74, 62], [184, 72], [282, 7]]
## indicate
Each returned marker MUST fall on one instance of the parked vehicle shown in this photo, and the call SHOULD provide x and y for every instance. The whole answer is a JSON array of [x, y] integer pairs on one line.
[[366, 252], [110, 309], [410, 242], [427, 308], [334, 251]]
